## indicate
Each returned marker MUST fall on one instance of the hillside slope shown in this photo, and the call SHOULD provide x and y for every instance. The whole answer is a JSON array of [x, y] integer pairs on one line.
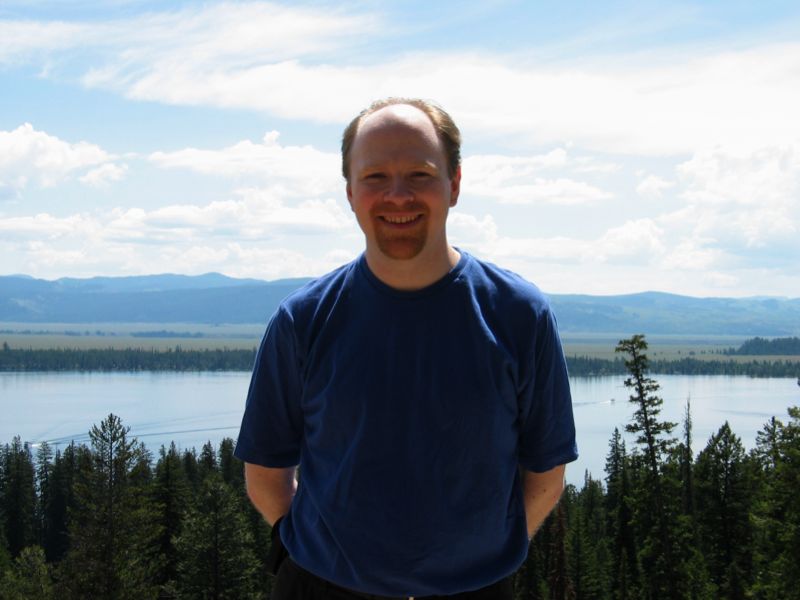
[[216, 299]]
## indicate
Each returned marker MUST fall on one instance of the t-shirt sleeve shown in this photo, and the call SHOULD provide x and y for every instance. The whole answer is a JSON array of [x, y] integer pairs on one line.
[[272, 425], [547, 433]]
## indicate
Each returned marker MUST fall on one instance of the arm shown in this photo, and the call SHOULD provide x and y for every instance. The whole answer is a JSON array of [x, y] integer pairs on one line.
[[542, 491], [270, 490]]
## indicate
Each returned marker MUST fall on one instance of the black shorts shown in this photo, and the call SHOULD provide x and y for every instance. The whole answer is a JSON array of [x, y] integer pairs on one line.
[[295, 583]]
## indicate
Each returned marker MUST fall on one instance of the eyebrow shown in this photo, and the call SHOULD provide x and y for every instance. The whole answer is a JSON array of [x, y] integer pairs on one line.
[[415, 165]]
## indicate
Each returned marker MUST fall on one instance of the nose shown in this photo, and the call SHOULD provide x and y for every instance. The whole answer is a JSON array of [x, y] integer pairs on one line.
[[398, 190]]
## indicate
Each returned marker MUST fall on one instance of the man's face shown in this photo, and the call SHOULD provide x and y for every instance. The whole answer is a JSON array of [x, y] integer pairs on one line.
[[399, 188]]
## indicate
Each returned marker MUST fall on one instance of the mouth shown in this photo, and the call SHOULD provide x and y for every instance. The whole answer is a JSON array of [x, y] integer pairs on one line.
[[400, 220]]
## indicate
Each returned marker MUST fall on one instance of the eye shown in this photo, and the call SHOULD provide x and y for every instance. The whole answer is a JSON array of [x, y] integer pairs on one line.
[[374, 176]]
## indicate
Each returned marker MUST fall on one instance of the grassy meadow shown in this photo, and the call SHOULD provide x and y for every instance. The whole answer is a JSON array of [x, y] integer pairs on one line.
[[193, 336]]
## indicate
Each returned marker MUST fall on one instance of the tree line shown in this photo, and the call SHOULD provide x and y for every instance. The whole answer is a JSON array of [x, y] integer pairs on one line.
[[758, 346], [126, 359], [110, 520], [665, 522], [227, 359]]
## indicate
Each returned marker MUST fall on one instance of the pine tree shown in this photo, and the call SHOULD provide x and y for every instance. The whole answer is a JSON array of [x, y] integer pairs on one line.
[[724, 492], [44, 457], [207, 461], [69, 467], [654, 510], [230, 467], [777, 511], [687, 464], [215, 549], [559, 582], [18, 501], [191, 469], [172, 495], [29, 578], [112, 529], [589, 555], [624, 573]]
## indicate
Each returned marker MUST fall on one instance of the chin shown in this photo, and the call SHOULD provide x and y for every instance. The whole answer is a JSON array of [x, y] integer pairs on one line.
[[406, 248]]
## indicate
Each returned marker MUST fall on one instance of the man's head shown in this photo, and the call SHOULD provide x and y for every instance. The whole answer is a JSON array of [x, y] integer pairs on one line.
[[446, 130], [399, 182]]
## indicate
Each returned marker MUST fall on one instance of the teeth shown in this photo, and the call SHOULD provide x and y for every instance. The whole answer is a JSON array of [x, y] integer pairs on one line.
[[399, 219]]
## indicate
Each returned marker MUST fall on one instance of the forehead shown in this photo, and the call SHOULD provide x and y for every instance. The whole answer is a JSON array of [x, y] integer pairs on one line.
[[393, 130]]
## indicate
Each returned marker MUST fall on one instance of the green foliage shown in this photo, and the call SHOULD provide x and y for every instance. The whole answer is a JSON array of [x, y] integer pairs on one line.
[[172, 493], [776, 514], [645, 423], [724, 496], [758, 346], [130, 359], [29, 578], [113, 529], [656, 490], [114, 523], [17, 495], [217, 557], [230, 359]]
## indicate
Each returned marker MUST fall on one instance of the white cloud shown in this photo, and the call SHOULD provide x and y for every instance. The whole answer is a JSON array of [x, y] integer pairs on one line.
[[255, 215], [645, 109], [301, 170], [745, 199], [48, 227], [634, 242], [469, 230], [518, 180], [28, 155], [20, 39], [652, 187], [234, 34], [282, 60], [693, 255], [217, 235], [104, 174], [637, 240]]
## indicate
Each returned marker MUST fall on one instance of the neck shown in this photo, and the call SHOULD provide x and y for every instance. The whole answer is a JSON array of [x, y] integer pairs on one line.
[[412, 274]]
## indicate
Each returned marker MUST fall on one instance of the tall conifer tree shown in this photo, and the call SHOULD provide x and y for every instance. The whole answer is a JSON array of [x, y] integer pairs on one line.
[[215, 548], [113, 553], [724, 492], [18, 496], [655, 516]]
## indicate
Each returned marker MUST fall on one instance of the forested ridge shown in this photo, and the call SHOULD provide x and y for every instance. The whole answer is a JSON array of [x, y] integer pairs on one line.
[[111, 520], [759, 346], [225, 359]]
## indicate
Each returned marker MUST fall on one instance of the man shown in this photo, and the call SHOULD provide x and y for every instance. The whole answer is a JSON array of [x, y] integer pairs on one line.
[[423, 393]]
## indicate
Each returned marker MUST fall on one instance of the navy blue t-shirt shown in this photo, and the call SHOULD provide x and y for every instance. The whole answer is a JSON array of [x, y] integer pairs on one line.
[[410, 413]]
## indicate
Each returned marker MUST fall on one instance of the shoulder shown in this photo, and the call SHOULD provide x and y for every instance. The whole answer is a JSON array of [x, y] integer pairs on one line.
[[310, 303], [316, 291], [506, 289]]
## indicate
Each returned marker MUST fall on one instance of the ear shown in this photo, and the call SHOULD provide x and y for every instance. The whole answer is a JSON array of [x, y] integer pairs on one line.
[[349, 196], [455, 187]]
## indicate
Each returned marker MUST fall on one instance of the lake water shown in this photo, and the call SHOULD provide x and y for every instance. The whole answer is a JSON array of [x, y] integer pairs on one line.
[[192, 408]]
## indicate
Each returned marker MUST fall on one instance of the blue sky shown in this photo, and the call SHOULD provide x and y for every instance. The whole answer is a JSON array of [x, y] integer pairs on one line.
[[609, 147]]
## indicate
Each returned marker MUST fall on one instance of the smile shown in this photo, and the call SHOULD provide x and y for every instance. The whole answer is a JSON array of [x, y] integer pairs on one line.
[[399, 219]]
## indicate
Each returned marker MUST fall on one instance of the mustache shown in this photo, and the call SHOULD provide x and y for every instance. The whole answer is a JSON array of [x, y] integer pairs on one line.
[[393, 207]]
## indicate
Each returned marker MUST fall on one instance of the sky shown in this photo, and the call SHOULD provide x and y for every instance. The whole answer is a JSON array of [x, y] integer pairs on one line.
[[608, 147]]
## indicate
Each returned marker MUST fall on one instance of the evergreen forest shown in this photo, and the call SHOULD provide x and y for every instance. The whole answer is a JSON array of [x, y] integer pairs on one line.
[[110, 519], [227, 359]]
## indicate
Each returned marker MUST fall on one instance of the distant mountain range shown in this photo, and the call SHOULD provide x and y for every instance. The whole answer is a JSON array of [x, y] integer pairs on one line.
[[215, 299]]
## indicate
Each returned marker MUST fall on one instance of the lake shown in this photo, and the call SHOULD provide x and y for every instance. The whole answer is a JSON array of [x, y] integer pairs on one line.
[[192, 408]]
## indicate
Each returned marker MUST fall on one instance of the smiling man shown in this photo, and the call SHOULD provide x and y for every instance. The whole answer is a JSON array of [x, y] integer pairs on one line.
[[423, 393]]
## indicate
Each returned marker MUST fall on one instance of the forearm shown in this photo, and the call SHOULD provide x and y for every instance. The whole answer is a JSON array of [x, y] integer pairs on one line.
[[542, 491], [270, 490]]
